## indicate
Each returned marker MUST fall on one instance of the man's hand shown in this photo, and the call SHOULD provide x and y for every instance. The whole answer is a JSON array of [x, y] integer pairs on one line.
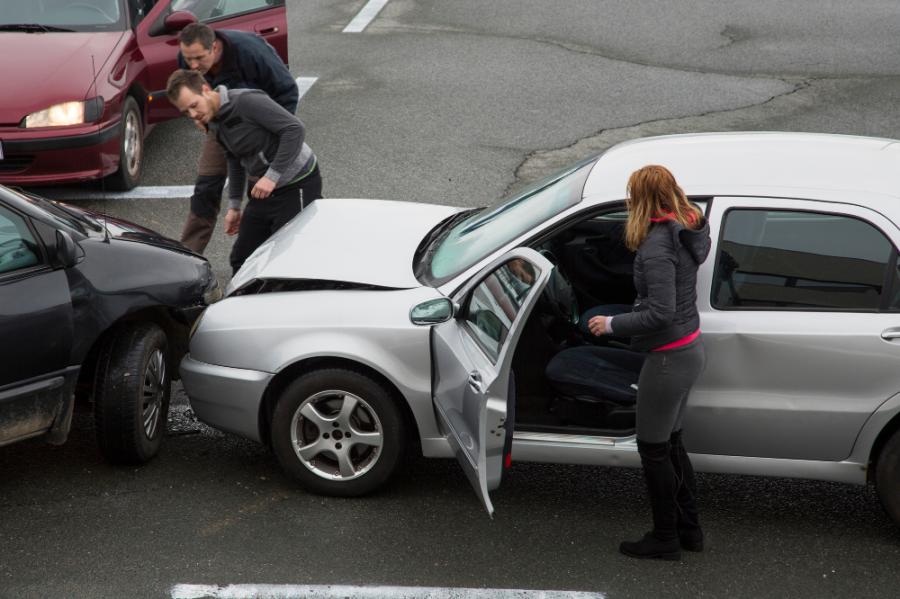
[[232, 221], [262, 189]]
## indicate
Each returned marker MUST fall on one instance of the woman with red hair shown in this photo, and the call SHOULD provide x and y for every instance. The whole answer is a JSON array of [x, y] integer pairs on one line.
[[671, 239]]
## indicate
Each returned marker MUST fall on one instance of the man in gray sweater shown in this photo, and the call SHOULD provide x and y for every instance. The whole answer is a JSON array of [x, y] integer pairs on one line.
[[264, 149]]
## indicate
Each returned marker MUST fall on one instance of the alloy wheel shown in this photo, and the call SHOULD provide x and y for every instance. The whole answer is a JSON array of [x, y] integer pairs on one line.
[[131, 143], [336, 435], [153, 391]]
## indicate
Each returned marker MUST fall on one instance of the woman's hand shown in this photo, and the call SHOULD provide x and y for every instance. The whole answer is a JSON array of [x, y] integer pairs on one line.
[[597, 325]]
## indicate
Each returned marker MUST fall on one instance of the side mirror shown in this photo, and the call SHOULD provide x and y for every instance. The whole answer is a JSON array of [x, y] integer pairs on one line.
[[66, 250], [178, 20], [433, 311]]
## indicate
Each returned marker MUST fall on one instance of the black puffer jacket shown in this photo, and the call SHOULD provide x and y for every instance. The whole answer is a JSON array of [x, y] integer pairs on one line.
[[665, 276]]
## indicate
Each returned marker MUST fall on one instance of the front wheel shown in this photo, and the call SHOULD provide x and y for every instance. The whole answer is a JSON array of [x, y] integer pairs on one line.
[[338, 432], [131, 394], [131, 148]]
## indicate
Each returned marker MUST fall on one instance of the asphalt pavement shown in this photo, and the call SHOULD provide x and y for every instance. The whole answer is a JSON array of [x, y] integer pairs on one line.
[[458, 103]]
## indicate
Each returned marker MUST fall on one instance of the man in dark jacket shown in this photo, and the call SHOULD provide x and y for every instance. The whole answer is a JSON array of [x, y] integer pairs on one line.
[[263, 146], [235, 59]]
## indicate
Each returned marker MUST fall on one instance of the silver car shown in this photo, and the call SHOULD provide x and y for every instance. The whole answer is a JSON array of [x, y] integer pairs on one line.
[[367, 328]]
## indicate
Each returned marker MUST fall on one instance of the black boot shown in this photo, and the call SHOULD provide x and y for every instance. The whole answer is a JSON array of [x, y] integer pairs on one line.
[[688, 523], [662, 541]]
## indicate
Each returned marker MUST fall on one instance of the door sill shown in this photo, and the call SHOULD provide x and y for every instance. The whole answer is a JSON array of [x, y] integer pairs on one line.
[[580, 431]]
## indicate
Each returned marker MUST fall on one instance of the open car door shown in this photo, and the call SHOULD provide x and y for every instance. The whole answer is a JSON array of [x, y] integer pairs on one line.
[[473, 388]]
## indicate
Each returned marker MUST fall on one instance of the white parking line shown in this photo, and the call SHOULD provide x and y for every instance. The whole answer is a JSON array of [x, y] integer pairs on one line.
[[289, 591], [304, 83], [365, 16], [149, 192]]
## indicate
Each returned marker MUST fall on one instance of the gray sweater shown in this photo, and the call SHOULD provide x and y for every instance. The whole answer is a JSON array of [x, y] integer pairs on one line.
[[261, 139]]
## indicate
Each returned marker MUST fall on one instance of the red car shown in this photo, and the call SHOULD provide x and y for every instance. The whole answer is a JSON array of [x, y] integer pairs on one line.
[[84, 80]]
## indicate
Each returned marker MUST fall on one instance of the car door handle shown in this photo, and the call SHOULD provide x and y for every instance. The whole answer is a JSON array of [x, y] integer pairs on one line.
[[476, 383], [267, 30], [890, 334]]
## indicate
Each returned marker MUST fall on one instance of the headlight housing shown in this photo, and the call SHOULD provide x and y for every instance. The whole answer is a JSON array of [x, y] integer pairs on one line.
[[65, 113], [212, 293]]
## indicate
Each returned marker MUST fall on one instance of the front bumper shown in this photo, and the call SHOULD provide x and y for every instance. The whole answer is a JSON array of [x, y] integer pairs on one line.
[[225, 398], [46, 157]]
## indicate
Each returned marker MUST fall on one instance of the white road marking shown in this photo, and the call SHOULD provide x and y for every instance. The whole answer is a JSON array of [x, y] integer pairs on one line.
[[365, 16], [148, 192], [304, 83], [290, 591]]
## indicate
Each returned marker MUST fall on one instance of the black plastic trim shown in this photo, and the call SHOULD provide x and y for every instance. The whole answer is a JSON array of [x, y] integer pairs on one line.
[[69, 142]]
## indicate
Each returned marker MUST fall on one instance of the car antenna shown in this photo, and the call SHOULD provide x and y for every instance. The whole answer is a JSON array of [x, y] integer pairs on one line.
[[100, 154]]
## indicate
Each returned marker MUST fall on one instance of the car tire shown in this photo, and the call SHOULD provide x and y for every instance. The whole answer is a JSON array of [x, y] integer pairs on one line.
[[131, 148], [887, 476], [131, 394], [322, 409]]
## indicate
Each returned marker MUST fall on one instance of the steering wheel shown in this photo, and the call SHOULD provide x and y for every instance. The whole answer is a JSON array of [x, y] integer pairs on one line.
[[92, 7]]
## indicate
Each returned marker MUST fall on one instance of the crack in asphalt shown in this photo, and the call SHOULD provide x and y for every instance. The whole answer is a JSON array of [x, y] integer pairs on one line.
[[519, 179], [732, 34]]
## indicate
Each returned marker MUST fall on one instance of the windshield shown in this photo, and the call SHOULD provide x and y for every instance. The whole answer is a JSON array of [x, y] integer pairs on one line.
[[84, 15], [482, 233]]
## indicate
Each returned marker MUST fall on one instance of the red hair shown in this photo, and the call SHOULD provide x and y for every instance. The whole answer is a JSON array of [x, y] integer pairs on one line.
[[653, 193]]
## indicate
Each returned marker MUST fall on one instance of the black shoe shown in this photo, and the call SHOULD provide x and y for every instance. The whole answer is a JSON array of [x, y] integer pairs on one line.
[[651, 547], [691, 540]]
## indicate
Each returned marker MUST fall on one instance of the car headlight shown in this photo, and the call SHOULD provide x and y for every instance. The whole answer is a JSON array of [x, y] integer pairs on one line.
[[212, 293], [66, 113]]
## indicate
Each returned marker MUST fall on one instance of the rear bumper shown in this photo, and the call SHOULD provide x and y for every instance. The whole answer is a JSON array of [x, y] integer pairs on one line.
[[32, 158], [225, 398]]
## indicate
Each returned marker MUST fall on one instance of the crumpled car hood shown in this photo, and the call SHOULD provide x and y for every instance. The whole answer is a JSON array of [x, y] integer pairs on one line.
[[351, 240]]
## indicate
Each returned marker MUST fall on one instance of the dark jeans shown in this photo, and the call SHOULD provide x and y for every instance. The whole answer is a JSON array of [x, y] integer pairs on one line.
[[261, 218], [601, 310]]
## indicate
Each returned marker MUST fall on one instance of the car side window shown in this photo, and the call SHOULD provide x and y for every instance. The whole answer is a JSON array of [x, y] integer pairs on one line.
[[777, 259], [493, 304], [18, 248], [208, 10]]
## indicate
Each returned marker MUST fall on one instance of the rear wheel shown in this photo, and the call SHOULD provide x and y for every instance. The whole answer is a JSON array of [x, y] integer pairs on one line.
[[131, 394], [887, 477], [131, 148], [338, 432]]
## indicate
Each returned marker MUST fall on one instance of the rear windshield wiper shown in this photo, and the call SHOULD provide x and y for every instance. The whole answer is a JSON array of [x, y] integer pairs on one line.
[[31, 27]]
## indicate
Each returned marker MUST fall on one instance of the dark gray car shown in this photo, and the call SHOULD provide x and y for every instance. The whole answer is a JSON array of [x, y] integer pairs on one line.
[[94, 310]]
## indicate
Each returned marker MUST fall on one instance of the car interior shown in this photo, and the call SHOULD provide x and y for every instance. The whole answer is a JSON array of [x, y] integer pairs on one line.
[[568, 380]]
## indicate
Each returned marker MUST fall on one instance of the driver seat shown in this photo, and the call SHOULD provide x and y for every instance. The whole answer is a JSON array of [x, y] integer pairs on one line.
[[595, 386]]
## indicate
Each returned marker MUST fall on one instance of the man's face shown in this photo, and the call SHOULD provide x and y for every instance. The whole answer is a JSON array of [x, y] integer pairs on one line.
[[196, 106], [199, 58]]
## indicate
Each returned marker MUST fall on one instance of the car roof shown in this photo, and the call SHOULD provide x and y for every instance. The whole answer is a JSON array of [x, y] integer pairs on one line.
[[798, 165]]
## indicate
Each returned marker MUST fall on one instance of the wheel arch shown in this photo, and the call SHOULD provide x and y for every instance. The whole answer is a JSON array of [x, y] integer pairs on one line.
[[176, 335], [137, 91], [289, 374], [887, 432]]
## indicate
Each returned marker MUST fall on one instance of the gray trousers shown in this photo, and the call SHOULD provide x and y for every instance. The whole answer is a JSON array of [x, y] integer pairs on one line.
[[663, 386]]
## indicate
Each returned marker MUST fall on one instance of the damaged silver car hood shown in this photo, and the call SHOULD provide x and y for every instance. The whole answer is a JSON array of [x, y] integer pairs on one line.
[[351, 240]]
